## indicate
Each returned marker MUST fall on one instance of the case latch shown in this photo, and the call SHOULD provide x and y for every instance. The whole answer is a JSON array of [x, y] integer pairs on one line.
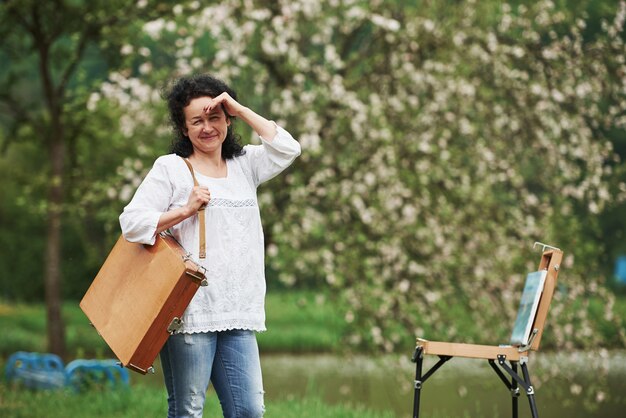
[[175, 325]]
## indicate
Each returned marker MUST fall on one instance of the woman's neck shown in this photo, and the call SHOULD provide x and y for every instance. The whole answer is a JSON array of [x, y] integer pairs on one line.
[[211, 165]]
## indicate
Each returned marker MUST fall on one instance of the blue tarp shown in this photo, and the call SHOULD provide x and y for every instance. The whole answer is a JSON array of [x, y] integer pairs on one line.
[[620, 269], [47, 371]]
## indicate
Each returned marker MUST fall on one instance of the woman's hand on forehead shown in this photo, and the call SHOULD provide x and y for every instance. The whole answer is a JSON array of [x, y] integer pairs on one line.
[[230, 106]]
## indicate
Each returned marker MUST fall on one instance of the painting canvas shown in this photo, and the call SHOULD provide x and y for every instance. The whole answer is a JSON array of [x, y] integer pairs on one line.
[[528, 307]]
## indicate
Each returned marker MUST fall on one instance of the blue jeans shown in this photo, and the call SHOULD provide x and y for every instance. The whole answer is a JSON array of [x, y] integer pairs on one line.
[[228, 359]]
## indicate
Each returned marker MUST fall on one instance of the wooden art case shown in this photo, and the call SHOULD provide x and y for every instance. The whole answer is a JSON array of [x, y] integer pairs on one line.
[[138, 298]]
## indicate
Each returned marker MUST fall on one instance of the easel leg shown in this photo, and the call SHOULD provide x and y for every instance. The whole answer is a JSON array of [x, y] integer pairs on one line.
[[514, 391], [525, 382], [418, 357], [513, 384], [530, 392]]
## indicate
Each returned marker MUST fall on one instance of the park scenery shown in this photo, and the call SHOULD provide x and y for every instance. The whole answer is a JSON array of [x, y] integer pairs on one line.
[[440, 140]]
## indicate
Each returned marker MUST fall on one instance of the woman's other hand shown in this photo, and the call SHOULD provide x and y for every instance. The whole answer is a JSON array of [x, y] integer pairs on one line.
[[198, 199]]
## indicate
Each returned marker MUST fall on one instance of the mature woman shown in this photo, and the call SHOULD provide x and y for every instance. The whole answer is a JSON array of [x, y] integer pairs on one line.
[[217, 341]]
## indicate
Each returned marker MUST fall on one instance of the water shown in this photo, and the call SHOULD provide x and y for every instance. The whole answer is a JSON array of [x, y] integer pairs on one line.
[[575, 385]]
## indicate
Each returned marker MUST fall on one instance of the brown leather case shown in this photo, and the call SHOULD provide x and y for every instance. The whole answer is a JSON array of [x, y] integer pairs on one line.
[[138, 297]]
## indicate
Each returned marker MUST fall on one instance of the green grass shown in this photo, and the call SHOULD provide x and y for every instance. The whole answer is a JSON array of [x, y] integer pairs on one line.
[[143, 401], [297, 322], [300, 322]]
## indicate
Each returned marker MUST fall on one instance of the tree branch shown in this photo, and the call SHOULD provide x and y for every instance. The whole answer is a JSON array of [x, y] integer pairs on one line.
[[20, 118], [12, 10], [15, 107], [86, 36], [42, 45]]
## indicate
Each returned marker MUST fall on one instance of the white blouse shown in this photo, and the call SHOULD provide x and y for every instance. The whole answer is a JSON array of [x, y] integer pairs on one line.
[[235, 296]]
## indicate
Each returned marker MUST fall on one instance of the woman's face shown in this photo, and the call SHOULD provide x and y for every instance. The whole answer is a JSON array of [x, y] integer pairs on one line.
[[207, 131]]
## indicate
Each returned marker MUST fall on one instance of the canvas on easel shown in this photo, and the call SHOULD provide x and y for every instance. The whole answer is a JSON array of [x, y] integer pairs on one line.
[[528, 307]]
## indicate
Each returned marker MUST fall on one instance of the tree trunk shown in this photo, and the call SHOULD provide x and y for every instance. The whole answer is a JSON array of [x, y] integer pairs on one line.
[[56, 327], [54, 138]]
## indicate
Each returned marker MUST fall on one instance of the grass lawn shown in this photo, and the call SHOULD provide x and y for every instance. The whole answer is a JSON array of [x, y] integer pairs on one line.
[[143, 401], [297, 322]]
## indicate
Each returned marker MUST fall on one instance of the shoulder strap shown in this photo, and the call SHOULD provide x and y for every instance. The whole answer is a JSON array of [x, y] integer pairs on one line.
[[201, 215]]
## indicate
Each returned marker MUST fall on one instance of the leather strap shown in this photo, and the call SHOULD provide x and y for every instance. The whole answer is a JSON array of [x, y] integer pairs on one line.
[[201, 215]]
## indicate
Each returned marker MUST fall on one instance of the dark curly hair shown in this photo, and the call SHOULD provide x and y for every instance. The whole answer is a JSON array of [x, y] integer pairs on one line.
[[180, 94]]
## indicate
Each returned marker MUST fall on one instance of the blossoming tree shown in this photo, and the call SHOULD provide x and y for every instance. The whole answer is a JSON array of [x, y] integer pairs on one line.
[[437, 147]]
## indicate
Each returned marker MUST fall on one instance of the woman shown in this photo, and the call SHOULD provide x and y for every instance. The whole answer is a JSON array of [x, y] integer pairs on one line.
[[217, 342]]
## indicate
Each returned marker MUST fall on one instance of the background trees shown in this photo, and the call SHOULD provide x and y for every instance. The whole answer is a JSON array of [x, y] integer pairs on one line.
[[57, 52], [439, 142]]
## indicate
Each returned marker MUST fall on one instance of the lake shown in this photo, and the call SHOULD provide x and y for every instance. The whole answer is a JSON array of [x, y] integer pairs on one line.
[[576, 385]]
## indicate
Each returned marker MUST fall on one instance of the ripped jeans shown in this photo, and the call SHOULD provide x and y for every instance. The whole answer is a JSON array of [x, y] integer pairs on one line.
[[227, 359]]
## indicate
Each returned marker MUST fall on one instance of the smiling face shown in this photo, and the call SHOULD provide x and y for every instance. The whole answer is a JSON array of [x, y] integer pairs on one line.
[[206, 131]]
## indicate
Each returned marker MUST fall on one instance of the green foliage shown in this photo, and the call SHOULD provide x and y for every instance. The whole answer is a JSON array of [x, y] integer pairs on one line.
[[59, 56]]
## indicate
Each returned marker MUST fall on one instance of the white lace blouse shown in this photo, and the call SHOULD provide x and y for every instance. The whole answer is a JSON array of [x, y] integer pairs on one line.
[[235, 296]]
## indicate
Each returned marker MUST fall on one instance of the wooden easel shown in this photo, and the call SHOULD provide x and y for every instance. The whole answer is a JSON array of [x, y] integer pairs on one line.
[[514, 355]]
